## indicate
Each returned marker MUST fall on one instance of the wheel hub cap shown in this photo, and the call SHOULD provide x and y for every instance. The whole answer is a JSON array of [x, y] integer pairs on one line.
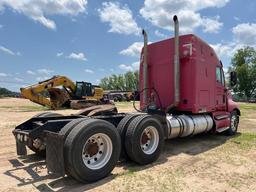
[[97, 151], [144, 138], [149, 140], [91, 149]]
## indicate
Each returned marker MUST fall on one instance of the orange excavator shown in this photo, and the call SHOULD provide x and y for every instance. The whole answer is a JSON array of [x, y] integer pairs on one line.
[[59, 91]]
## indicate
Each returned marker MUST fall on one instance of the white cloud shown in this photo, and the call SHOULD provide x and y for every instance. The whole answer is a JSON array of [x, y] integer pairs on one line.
[[225, 69], [73, 20], [77, 56], [211, 25], [126, 67], [245, 33], [42, 78], [133, 50], [136, 65], [132, 67], [160, 13], [6, 50], [38, 10], [1, 26], [237, 18], [119, 17], [45, 71], [88, 71], [159, 34], [222, 50], [227, 50], [3, 75], [30, 72], [42, 74], [59, 54], [18, 79], [9, 51]]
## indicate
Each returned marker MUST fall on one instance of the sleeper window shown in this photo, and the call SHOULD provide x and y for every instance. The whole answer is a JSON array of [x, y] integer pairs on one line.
[[218, 74]]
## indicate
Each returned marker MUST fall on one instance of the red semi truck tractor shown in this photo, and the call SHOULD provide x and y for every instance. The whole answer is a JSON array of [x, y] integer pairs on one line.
[[182, 93]]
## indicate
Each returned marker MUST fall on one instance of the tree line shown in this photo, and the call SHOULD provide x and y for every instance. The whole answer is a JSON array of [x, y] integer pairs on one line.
[[122, 82], [244, 63], [7, 93]]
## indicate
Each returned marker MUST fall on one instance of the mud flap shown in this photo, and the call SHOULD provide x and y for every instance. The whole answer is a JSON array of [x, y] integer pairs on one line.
[[54, 153], [21, 148]]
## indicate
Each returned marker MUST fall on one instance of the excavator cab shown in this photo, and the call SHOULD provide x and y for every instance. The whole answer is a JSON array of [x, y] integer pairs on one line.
[[84, 89]]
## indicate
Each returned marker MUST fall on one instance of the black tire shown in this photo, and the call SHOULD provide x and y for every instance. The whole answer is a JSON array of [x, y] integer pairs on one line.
[[38, 152], [122, 128], [233, 125], [74, 145], [69, 126], [133, 139], [65, 131]]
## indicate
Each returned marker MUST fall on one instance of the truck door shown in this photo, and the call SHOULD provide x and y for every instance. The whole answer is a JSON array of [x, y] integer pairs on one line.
[[220, 89]]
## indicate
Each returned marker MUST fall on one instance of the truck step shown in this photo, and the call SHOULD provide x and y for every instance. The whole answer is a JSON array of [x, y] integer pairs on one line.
[[222, 129]]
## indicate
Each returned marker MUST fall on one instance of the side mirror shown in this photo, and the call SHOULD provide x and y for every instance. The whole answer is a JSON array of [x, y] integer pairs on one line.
[[233, 78]]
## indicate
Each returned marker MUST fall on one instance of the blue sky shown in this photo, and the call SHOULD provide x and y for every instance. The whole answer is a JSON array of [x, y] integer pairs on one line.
[[88, 40]]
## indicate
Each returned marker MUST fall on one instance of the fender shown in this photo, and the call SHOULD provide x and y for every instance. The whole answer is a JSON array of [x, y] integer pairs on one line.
[[231, 105]]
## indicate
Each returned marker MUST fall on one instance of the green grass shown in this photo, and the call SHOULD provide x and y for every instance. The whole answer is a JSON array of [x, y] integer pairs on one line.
[[130, 171], [252, 174], [246, 106], [26, 108], [245, 141], [32, 108], [6, 107], [126, 104]]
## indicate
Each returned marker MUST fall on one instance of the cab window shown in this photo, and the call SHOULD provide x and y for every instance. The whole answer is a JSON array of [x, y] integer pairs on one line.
[[218, 75], [79, 89]]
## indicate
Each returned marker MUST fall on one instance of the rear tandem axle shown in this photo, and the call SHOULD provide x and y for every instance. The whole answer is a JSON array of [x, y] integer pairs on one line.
[[88, 148]]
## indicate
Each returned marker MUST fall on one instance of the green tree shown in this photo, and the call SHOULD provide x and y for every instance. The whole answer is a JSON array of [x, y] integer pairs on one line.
[[7, 93], [244, 63], [122, 82]]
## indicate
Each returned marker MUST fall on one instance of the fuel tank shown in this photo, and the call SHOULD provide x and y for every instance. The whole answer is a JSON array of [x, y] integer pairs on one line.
[[188, 125]]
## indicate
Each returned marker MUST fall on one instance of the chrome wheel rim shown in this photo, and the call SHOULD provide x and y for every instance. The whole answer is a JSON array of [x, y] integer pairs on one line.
[[234, 122], [149, 140], [97, 151]]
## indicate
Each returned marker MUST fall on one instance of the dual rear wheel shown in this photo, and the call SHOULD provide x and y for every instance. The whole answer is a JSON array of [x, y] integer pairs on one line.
[[92, 146], [91, 150], [144, 139]]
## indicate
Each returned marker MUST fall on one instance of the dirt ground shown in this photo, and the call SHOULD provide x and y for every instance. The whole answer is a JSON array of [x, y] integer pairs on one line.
[[201, 163]]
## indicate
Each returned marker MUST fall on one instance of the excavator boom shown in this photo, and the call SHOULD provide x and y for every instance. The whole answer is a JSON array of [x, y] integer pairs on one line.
[[58, 97]]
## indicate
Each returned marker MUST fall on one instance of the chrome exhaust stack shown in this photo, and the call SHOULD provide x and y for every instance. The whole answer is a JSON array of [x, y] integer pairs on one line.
[[145, 67], [176, 62]]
